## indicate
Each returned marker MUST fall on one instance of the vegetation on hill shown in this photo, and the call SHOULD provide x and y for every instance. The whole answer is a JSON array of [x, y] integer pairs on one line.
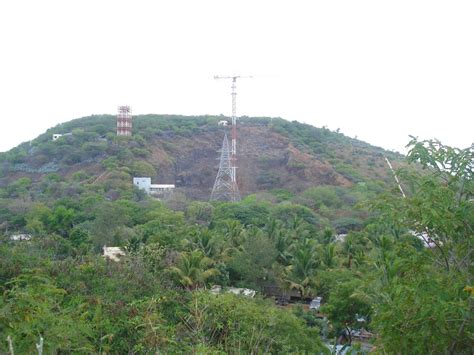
[[281, 162], [415, 299]]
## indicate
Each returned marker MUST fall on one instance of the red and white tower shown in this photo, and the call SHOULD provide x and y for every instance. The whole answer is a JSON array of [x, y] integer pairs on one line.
[[234, 122], [124, 121]]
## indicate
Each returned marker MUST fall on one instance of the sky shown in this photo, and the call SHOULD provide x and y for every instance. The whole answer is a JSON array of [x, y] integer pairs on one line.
[[377, 70]]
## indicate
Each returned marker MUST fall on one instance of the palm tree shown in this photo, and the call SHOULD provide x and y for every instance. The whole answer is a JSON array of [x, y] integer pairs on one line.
[[298, 229], [327, 236], [349, 248], [278, 234], [193, 269], [303, 266], [234, 232], [282, 245], [305, 259], [329, 255], [272, 227], [205, 242]]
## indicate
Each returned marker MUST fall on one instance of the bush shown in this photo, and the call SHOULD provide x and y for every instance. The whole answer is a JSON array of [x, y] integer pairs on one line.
[[228, 322], [287, 212], [346, 224]]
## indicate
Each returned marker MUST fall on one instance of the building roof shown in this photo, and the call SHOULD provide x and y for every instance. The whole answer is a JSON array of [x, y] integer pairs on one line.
[[162, 186]]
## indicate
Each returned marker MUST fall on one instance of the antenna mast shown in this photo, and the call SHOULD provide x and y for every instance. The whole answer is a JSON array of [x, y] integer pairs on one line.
[[234, 121]]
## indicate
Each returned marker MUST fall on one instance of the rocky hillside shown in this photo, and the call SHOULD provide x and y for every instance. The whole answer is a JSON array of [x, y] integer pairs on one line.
[[274, 154]]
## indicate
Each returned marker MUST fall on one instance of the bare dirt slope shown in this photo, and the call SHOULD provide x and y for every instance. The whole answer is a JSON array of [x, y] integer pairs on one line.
[[266, 160]]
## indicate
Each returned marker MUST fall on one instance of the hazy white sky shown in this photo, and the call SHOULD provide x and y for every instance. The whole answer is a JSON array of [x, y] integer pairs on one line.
[[378, 70]]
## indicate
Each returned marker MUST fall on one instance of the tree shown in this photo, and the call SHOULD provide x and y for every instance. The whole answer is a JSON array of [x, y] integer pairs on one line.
[[305, 260], [61, 220], [231, 323], [282, 244], [422, 305], [33, 307], [234, 231], [200, 212], [343, 300], [19, 188], [38, 219], [323, 196], [251, 266], [193, 269], [110, 217], [329, 255], [289, 212]]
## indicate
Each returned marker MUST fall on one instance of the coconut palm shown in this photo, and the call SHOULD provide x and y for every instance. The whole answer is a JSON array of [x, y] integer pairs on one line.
[[349, 248], [298, 275], [204, 241], [193, 269], [282, 245], [329, 255], [234, 232], [298, 229]]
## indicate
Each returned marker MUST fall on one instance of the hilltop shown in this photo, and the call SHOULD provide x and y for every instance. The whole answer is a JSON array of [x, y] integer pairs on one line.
[[273, 154]]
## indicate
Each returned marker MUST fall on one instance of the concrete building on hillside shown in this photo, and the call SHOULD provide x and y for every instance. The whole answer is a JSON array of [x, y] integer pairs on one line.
[[56, 136], [157, 190]]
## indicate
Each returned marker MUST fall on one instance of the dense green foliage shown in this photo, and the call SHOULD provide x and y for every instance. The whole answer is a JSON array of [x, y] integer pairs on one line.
[[416, 299], [93, 160], [426, 295]]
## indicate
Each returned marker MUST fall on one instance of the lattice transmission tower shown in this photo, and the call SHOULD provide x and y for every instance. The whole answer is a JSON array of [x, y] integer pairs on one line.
[[124, 121], [233, 194], [225, 187]]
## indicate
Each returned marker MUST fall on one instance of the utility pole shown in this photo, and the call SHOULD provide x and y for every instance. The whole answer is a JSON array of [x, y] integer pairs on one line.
[[234, 120], [396, 177]]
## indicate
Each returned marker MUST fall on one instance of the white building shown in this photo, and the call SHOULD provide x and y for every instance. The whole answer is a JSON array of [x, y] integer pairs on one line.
[[144, 183], [56, 136]]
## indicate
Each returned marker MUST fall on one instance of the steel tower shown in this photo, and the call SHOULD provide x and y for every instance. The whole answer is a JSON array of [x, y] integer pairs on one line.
[[124, 121], [225, 187], [234, 121]]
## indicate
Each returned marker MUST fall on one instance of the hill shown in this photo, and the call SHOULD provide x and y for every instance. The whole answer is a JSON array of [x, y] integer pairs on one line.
[[279, 162], [273, 154], [63, 201]]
